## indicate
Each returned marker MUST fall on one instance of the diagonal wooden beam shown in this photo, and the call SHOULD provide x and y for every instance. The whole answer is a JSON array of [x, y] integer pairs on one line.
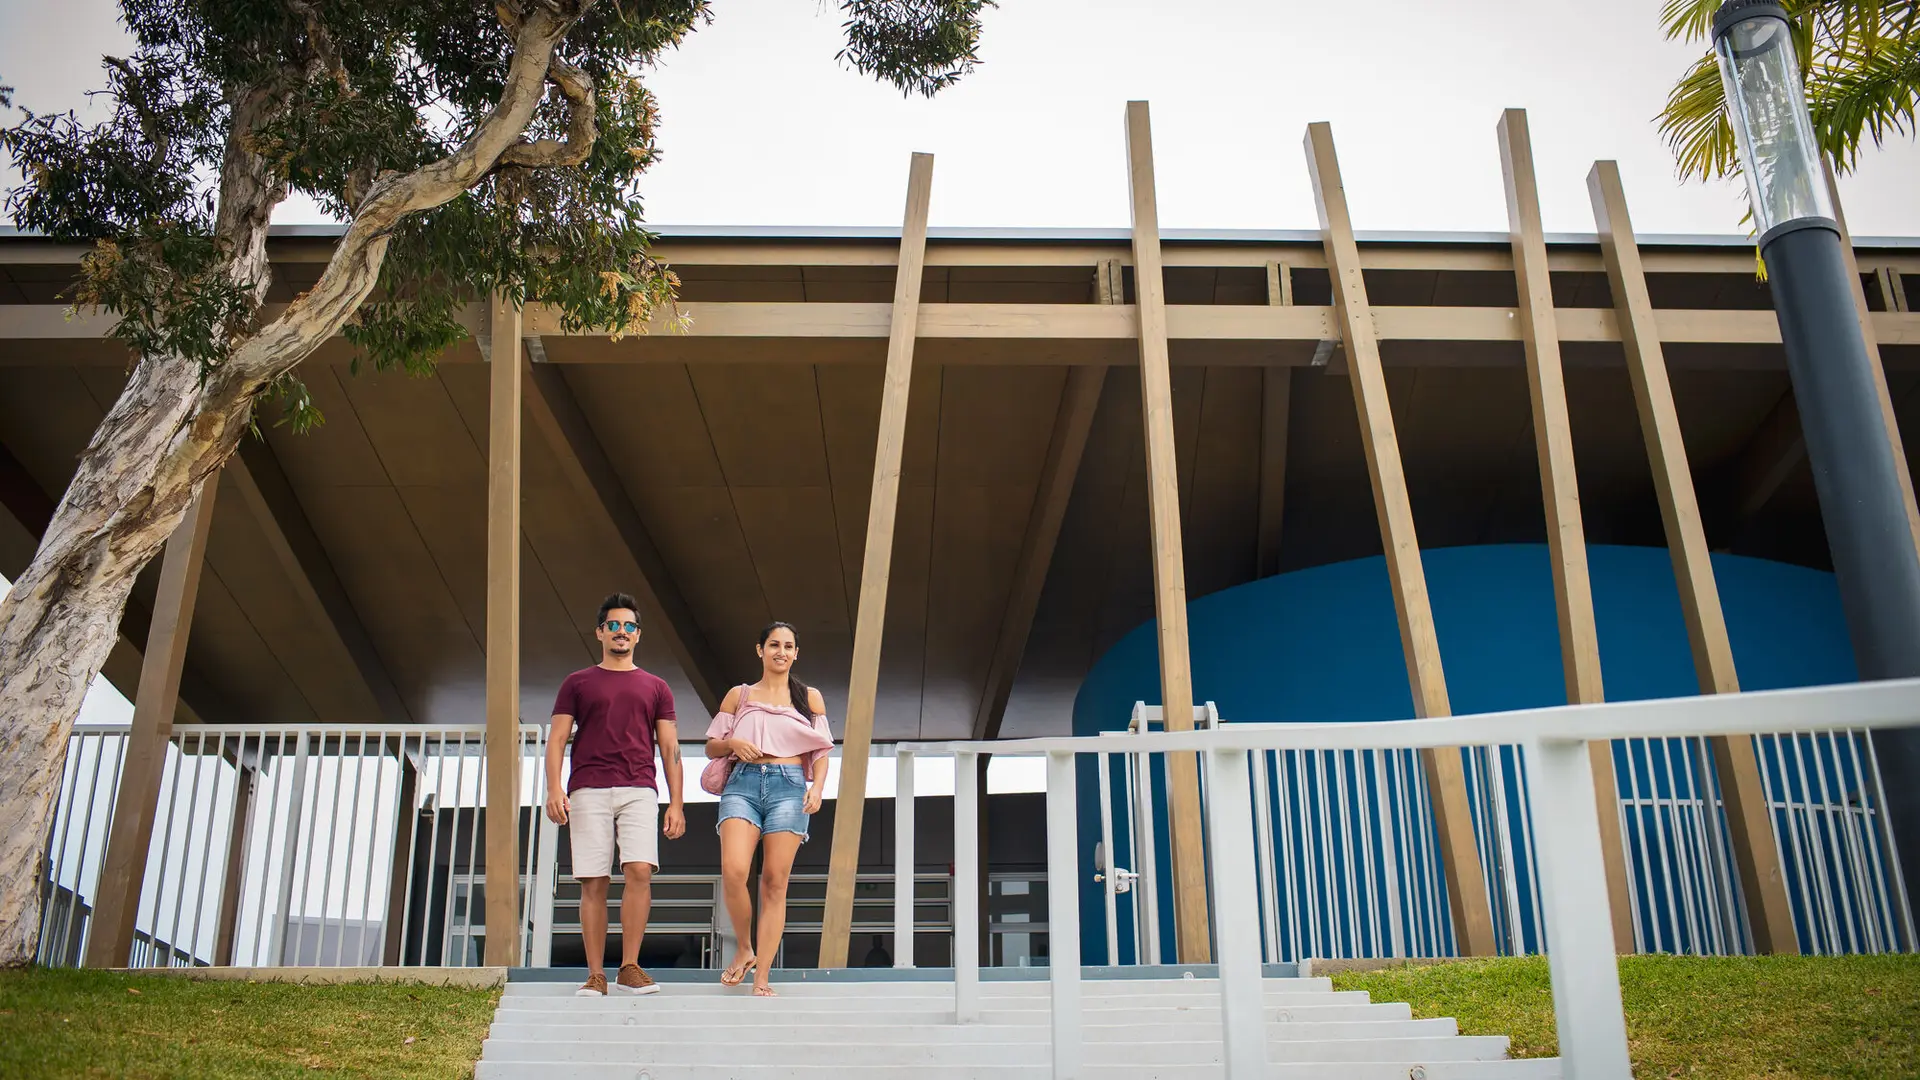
[[1079, 400], [267, 495], [1893, 290], [1276, 408], [556, 419], [1560, 492], [1169, 562], [869, 627], [1446, 778], [1759, 468], [1749, 822], [123, 869]]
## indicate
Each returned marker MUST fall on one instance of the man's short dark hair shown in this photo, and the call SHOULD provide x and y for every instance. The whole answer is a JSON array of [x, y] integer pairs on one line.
[[617, 600]]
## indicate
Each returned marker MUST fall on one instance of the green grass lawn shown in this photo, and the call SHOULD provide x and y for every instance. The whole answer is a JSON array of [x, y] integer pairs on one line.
[[91, 1023], [1736, 1017]]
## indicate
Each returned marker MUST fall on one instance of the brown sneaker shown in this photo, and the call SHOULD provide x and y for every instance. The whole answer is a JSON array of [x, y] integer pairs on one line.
[[595, 986], [635, 981]]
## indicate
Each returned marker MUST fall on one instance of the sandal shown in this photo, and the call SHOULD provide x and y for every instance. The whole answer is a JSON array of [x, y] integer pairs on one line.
[[764, 991], [735, 976]]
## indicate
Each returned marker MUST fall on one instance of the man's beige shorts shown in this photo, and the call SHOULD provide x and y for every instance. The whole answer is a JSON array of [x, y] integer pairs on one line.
[[595, 815]]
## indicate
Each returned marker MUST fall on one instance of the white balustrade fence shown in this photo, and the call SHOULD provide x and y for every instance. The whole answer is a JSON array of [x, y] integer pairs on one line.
[[1348, 862], [304, 845], [1342, 805]]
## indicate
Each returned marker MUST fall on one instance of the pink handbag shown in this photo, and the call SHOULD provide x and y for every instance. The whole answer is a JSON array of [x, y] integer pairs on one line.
[[713, 778]]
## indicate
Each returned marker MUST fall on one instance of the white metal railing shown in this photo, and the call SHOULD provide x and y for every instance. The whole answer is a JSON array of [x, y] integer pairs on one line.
[[1550, 745], [1348, 862], [318, 844]]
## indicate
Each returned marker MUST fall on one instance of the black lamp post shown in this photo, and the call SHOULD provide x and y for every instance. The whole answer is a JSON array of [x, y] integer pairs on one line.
[[1854, 471]]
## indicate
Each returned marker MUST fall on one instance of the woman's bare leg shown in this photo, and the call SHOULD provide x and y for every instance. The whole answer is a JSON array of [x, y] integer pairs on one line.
[[738, 838], [775, 864]]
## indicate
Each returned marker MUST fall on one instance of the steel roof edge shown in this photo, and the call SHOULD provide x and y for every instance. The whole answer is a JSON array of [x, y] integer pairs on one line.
[[815, 233]]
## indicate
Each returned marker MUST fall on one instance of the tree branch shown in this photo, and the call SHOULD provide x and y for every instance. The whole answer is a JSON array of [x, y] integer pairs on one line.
[[133, 94], [573, 84], [355, 267], [326, 58]]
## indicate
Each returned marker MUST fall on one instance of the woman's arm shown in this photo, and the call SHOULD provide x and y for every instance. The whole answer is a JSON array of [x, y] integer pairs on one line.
[[817, 790], [720, 746]]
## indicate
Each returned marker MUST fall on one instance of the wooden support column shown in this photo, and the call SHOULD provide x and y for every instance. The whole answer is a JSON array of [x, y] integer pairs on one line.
[[248, 777], [406, 818], [1890, 284], [863, 683], [1446, 779], [1169, 567], [1276, 407], [1748, 820], [503, 635], [1560, 491], [1873, 355], [124, 869]]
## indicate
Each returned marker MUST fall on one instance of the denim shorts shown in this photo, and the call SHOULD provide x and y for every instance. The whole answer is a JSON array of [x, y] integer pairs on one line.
[[772, 797]]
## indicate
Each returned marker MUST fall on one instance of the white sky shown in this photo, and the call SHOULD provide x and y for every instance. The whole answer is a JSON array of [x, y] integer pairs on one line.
[[762, 128]]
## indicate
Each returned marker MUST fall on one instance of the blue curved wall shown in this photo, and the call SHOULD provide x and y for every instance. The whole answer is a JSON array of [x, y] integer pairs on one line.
[[1323, 645]]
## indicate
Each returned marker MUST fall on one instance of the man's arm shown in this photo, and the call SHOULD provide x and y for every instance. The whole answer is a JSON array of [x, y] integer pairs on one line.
[[557, 736], [666, 735]]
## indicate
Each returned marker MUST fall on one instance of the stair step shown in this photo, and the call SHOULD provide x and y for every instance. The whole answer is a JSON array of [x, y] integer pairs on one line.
[[636, 1026], [1181, 1046], [736, 1015], [833, 1029], [796, 981], [1396, 1069]]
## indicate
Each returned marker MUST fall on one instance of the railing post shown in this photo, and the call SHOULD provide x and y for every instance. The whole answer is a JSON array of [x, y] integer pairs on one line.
[[966, 887], [544, 884], [1109, 873], [903, 861], [1063, 914], [1573, 886], [1236, 922]]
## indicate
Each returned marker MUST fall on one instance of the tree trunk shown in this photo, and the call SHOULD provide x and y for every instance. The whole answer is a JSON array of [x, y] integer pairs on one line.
[[134, 484], [174, 427]]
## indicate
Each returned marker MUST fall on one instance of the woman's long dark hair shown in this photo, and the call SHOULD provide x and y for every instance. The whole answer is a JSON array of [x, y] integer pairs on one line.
[[798, 689]]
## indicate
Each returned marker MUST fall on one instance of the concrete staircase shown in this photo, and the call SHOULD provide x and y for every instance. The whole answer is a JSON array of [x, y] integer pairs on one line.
[[888, 1029]]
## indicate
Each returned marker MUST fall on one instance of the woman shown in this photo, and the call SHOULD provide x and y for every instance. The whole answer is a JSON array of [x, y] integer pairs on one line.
[[775, 734]]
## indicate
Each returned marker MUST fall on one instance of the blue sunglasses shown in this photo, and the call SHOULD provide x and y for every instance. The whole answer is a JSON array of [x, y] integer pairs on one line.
[[613, 625]]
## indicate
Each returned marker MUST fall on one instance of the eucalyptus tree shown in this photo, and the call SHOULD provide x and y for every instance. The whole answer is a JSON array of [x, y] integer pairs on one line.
[[467, 146]]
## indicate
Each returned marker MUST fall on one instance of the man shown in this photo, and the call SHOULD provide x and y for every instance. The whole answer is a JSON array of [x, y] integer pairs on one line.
[[616, 714]]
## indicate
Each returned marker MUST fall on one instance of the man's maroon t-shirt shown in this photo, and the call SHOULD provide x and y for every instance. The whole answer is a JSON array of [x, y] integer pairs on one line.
[[613, 714]]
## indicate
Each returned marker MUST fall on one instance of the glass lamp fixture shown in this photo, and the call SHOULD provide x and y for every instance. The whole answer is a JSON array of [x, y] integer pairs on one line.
[[1767, 106]]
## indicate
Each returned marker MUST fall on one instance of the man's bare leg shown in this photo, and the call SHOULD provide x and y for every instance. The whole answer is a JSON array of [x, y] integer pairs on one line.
[[593, 923], [636, 901]]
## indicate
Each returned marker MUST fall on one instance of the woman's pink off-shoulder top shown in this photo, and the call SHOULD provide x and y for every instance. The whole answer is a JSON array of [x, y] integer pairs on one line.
[[778, 730]]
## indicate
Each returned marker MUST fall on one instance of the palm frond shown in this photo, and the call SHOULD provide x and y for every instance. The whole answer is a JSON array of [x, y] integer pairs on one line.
[[1872, 96], [1861, 62], [1688, 20], [1694, 124]]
